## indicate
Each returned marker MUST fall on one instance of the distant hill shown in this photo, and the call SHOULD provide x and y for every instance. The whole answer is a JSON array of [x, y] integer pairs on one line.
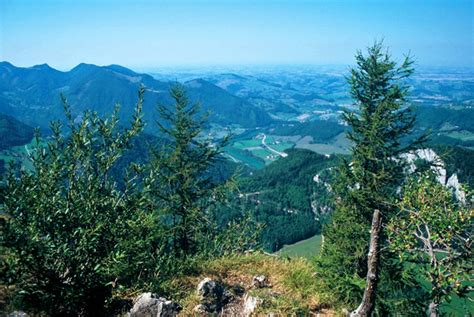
[[445, 118], [32, 94], [265, 94], [319, 130], [13, 132], [226, 107]]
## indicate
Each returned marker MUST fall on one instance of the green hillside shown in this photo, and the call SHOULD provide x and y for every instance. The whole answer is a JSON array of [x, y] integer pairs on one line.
[[13, 132]]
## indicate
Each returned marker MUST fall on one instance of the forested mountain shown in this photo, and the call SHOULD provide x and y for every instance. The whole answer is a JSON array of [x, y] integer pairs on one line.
[[32, 94], [291, 197], [227, 108], [13, 132]]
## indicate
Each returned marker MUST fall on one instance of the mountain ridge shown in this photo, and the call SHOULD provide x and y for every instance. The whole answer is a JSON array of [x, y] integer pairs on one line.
[[32, 94]]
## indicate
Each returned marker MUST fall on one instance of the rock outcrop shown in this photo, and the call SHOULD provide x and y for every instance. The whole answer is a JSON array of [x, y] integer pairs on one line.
[[151, 305], [260, 281], [250, 305], [217, 299], [438, 167], [213, 296]]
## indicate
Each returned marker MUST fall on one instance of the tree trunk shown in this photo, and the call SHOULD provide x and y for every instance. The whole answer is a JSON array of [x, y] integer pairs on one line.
[[367, 305], [434, 309]]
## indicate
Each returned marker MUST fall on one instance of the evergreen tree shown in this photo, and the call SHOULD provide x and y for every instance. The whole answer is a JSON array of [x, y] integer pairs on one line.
[[370, 181], [180, 181]]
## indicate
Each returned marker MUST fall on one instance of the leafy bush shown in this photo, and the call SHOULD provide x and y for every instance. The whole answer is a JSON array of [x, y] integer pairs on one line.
[[434, 231], [68, 234]]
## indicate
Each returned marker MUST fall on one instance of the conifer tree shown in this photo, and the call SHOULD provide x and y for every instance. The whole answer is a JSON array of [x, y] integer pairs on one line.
[[179, 177], [369, 181]]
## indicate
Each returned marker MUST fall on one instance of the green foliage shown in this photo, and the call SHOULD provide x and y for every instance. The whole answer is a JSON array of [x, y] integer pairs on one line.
[[434, 231], [178, 177], [370, 180], [234, 237], [67, 232]]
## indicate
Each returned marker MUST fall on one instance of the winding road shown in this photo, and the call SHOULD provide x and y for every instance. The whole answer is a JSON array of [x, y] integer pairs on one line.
[[265, 145]]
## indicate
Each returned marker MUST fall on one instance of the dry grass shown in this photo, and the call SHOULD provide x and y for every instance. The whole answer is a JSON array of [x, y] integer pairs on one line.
[[293, 291]]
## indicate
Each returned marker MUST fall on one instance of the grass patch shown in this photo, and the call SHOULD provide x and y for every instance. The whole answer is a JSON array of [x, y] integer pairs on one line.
[[294, 285], [305, 248]]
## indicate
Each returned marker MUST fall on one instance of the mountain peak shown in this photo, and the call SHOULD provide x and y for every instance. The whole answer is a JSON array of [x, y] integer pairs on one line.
[[121, 70], [7, 64], [43, 67], [84, 67], [198, 82]]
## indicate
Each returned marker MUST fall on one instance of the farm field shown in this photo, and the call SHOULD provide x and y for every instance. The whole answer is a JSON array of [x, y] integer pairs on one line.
[[250, 150], [339, 145]]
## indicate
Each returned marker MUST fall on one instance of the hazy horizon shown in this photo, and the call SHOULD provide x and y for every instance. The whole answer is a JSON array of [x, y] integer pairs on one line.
[[192, 34], [250, 68]]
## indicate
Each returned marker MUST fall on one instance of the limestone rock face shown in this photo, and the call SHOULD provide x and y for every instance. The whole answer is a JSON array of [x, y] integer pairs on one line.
[[213, 296], [217, 299], [455, 186], [151, 305], [429, 156], [438, 167], [201, 309]]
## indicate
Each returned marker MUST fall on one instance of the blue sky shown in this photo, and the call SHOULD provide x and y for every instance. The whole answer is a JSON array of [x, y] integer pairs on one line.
[[172, 33]]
